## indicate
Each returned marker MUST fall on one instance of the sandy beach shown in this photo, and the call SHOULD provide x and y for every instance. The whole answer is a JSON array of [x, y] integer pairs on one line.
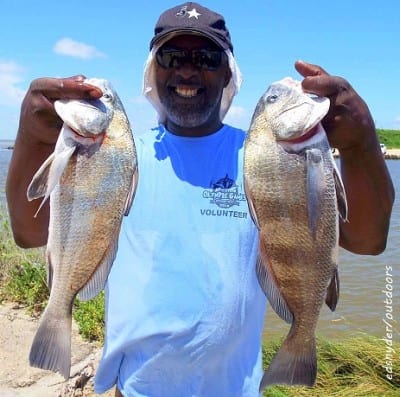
[[18, 379]]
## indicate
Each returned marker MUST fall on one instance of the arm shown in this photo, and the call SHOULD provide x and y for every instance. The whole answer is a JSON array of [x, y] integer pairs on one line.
[[37, 134], [369, 189]]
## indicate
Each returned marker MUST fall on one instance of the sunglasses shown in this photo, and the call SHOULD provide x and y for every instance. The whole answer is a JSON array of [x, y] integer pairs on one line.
[[204, 58]]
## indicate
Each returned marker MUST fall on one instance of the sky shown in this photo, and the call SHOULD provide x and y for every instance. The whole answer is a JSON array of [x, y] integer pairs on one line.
[[357, 40]]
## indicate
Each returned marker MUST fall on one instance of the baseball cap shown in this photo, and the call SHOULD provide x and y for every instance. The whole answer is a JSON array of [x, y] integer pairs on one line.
[[192, 18]]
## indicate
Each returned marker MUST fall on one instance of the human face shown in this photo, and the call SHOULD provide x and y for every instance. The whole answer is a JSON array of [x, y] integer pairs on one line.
[[191, 94]]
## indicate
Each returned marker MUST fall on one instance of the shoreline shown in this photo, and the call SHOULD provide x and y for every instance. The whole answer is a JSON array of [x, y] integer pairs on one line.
[[391, 154]]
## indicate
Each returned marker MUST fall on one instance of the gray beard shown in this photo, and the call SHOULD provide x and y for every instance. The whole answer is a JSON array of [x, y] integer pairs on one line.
[[188, 116]]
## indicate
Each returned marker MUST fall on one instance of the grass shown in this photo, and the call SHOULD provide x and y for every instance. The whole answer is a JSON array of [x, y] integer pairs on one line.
[[391, 138], [353, 367], [22, 272], [349, 368], [23, 280]]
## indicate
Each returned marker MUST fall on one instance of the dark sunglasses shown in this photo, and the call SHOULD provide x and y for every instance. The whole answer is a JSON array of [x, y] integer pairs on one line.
[[204, 58]]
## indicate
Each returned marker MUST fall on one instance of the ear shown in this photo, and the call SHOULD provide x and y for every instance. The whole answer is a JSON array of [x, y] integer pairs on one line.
[[228, 75]]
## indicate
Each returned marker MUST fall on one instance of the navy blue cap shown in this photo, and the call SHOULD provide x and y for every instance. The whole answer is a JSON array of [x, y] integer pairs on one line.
[[192, 18]]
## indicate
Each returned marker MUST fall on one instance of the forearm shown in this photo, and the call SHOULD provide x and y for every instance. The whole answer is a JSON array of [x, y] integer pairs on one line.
[[370, 197], [27, 157]]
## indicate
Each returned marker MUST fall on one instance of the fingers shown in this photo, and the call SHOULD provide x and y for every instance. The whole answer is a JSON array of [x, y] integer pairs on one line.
[[71, 88], [318, 81]]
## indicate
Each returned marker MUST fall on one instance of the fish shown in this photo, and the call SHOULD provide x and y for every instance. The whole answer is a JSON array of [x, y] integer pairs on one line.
[[90, 180], [296, 198]]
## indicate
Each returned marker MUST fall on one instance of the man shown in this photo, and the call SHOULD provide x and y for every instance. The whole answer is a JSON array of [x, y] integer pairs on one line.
[[184, 309]]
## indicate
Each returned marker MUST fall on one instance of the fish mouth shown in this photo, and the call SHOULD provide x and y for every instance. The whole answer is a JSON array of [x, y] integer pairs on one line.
[[295, 106], [311, 132], [85, 138], [94, 104]]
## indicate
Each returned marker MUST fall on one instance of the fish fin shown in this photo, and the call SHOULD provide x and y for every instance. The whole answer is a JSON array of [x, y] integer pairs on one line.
[[48, 175], [340, 194], [332, 293], [38, 186], [315, 187], [250, 204], [132, 192], [291, 366], [51, 346], [269, 285], [98, 280]]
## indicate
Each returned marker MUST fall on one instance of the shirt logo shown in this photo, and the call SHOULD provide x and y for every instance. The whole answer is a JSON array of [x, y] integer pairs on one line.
[[225, 194]]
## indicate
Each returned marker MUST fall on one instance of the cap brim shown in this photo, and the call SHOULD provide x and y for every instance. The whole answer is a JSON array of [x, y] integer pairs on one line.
[[169, 34]]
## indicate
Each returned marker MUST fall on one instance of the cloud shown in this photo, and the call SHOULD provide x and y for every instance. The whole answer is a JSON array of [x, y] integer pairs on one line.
[[69, 47], [238, 117], [10, 75]]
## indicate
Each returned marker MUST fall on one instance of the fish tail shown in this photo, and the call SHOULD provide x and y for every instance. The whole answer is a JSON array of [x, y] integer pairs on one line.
[[291, 366], [51, 346]]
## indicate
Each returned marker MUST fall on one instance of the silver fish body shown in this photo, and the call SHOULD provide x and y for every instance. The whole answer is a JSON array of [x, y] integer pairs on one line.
[[91, 179], [293, 189]]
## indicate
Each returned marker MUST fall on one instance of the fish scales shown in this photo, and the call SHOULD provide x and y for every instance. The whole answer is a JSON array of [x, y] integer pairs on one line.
[[86, 180], [298, 258], [91, 180]]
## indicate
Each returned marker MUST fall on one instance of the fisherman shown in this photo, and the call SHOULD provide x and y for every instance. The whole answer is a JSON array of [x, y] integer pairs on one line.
[[184, 312]]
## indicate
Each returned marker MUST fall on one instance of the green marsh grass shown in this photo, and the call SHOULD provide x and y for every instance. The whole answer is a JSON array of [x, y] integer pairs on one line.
[[350, 368]]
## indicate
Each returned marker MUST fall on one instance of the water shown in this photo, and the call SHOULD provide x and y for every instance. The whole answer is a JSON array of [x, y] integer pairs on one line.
[[362, 279], [5, 156]]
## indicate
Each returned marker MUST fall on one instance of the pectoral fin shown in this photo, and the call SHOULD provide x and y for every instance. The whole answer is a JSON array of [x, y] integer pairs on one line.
[[340, 194], [49, 174], [38, 186], [315, 187]]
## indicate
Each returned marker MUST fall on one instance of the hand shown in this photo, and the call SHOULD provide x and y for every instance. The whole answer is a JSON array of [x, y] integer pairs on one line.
[[39, 122], [348, 124]]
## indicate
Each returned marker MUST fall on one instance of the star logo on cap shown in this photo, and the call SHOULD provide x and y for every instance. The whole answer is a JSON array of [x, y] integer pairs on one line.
[[193, 14]]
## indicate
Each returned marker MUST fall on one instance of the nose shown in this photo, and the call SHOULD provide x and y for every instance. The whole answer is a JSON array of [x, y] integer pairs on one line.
[[187, 70]]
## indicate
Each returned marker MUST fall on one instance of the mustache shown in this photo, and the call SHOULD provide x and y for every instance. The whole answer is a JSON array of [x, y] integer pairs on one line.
[[193, 80]]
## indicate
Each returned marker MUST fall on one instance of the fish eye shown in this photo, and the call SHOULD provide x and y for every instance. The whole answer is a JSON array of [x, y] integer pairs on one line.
[[272, 98], [107, 96]]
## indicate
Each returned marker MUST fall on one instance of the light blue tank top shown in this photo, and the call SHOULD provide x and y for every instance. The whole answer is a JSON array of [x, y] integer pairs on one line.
[[184, 310]]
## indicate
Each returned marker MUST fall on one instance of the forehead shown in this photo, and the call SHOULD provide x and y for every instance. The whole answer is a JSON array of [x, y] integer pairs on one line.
[[190, 41]]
